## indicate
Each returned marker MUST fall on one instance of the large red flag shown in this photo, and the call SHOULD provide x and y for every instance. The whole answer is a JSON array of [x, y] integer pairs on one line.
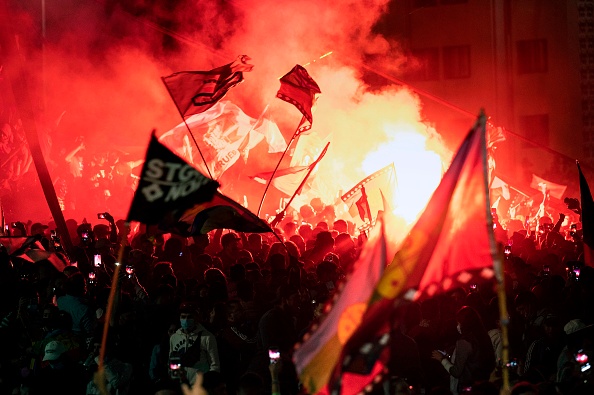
[[299, 89], [451, 241], [224, 133], [194, 92]]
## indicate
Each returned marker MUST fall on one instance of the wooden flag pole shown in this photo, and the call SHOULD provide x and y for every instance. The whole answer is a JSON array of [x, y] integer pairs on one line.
[[497, 257], [100, 378], [277, 166]]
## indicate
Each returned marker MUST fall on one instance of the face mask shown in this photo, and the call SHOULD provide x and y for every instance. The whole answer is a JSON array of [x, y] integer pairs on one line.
[[187, 323], [459, 328]]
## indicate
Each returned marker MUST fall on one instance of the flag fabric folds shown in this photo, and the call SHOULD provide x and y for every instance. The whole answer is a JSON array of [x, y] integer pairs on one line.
[[316, 356], [452, 239], [367, 197], [299, 89], [289, 180], [221, 212], [224, 133], [194, 92], [555, 190], [587, 204], [168, 186]]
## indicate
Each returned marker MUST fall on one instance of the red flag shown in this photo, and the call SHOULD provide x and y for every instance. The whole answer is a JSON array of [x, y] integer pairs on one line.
[[378, 188], [363, 206], [299, 89], [224, 133], [194, 92], [315, 358], [555, 190], [289, 180], [221, 212], [452, 240]]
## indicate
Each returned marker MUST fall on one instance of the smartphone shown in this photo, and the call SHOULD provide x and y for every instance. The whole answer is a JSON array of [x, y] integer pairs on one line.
[[582, 358], [101, 215], [473, 287], [274, 355], [6, 230], [97, 258], [507, 250], [174, 367], [91, 277], [129, 271], [85, 236], [14, 224]]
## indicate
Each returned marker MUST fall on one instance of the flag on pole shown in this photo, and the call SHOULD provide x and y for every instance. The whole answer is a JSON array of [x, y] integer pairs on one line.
[[320, 350], [194, 92], [289, 179], [452, 240], [167, 187], [587, 204], [299, 89], [221, 212], [367, 197], [224, 133], [363, 206]]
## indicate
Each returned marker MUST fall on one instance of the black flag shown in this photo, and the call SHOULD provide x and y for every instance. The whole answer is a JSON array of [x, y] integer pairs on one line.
[[168, 187]]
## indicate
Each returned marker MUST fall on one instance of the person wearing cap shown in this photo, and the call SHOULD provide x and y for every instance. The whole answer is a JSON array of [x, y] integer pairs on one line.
[[58, 374], [193, 344], [580, 338]]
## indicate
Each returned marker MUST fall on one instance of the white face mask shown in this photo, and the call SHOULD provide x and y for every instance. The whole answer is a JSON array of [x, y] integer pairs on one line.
[[459, 328]]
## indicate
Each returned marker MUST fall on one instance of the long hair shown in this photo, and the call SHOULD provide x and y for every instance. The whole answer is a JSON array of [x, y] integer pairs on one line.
[[473, 330]]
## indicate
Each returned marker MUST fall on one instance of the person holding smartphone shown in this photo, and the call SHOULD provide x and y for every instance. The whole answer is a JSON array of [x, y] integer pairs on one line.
[[473, 359]]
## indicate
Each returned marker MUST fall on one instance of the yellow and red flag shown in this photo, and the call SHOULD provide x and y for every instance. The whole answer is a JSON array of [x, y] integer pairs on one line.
[[451, 242]]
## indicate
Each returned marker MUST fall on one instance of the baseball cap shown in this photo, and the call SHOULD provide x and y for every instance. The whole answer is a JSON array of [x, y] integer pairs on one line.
[[53, 350]]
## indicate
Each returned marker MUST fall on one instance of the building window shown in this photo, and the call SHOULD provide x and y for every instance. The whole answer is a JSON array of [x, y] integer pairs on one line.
[[424, 65], [456, 62], [532, 56], [535, 128]]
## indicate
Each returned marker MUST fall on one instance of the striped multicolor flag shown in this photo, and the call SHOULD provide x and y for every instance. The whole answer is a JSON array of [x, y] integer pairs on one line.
[[320, 350], [451, 242]]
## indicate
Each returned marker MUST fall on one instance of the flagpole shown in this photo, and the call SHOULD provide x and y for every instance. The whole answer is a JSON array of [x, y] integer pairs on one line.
[[277, 166], [281, 215], [100, 378], [189, 130], [496, 255]]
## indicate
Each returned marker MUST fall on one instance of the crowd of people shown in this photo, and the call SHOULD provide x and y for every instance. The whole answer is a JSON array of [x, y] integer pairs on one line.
[[214, 306]]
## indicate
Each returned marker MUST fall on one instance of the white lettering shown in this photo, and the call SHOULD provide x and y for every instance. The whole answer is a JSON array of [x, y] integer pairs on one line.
[[172, 169], [154, 168]]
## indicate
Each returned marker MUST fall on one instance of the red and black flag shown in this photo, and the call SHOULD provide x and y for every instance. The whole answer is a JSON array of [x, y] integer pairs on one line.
[[221, 212], [168, 186], [299, 89], [194, 92]]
